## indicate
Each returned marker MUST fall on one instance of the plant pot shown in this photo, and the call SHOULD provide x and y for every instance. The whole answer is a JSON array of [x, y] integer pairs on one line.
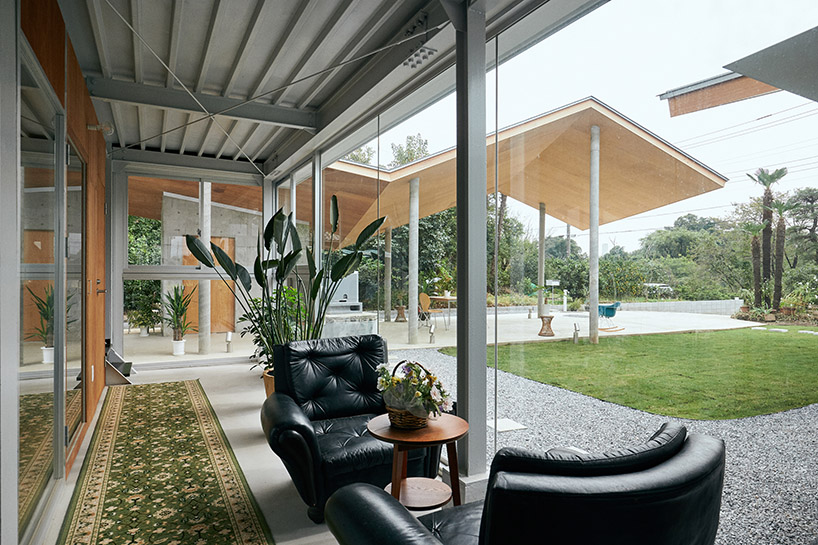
[[787, 311], [143, 332], [269, 381], [178, 347], [744, 308], [48, 354]]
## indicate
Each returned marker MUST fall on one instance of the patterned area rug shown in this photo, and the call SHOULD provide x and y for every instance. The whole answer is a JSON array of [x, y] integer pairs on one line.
[[36, 447], [160, 470]]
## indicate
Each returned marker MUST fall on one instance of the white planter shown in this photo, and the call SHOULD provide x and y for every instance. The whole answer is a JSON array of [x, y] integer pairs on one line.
[[48, 354], [178, 347], [143, 332]]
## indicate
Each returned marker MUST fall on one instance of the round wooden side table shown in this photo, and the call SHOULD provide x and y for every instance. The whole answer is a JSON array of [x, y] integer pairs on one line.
[[421, 492]]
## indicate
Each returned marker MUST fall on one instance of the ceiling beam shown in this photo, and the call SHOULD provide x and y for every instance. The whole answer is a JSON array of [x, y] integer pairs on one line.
[[110, 90], [171, 165]]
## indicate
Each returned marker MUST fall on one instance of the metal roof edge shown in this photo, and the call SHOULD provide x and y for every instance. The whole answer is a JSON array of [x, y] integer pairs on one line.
[[703, 84]]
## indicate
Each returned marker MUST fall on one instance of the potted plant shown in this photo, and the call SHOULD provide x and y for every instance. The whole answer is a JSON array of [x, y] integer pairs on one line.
[[45, 331], [176, 303], [279, 315]]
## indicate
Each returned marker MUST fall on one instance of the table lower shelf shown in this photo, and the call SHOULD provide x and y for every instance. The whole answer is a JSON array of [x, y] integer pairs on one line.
[[420, 493]]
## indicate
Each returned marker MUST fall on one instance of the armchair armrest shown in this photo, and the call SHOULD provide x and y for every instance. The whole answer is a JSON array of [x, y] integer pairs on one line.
[[362, 514], [291, 436]]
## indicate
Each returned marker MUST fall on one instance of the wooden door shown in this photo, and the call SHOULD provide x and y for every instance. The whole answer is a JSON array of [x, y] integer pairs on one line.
[[222, 303]]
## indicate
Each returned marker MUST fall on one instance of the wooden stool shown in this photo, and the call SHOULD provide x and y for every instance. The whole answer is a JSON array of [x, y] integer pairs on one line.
[[546, 330]]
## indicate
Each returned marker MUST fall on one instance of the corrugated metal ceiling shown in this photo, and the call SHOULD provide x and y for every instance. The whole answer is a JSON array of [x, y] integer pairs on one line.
[[229, 51]]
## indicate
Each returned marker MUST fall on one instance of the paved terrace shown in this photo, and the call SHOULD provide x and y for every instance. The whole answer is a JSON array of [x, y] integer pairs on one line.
[[155, 350]]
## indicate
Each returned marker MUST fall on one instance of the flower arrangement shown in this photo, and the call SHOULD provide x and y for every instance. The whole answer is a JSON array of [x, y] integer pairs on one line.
[[410, 387]]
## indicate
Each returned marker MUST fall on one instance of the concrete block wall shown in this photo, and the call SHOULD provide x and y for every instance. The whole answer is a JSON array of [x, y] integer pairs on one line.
[[180, 216]]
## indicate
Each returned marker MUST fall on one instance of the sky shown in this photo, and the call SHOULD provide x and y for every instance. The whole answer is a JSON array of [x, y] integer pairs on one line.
[[626, 53]]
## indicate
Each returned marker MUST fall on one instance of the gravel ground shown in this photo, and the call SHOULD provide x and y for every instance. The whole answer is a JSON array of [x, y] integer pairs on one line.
[[771, 481]]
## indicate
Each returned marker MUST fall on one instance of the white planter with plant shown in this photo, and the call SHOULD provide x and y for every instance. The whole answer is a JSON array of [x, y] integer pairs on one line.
[[284, 313], [176, 303], [45, 330]]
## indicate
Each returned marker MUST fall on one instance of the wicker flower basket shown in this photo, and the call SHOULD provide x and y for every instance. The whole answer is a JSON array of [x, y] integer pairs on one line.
[[404, 420]]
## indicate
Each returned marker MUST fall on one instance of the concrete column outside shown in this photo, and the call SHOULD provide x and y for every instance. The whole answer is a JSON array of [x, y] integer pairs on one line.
[[204, 285], [568, 240], [412, 289], [541, 311], [387, 275], [593, 252]]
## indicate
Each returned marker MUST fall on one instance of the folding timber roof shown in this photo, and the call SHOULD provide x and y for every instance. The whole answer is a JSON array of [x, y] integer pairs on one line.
[[547, 159]]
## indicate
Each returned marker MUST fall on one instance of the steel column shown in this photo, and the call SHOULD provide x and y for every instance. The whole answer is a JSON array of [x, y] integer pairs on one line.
[[470, 26], [118, 218], [387, 275], [593, 252], [205, 192], [10, 325]]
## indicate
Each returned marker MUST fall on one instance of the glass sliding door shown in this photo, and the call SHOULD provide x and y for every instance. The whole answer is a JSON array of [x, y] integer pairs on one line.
[[40, 288], [74, 293]]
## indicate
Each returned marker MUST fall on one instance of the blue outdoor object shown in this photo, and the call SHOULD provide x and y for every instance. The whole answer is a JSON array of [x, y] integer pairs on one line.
[[608, 311]]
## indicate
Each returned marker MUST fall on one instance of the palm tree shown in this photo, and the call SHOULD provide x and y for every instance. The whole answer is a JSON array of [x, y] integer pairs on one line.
[[780, 208], [767, 179], [754, 230]]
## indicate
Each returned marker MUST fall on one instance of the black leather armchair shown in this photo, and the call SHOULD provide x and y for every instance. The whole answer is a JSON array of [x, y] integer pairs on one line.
[[664, 492], [326, 392]]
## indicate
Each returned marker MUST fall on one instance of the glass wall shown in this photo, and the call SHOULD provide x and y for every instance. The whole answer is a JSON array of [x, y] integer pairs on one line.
[[40, 214], [678, 218], [74, 311], [161, 213]]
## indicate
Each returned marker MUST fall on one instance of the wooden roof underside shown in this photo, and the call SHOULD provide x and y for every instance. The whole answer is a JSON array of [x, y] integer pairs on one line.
[[547, 160]]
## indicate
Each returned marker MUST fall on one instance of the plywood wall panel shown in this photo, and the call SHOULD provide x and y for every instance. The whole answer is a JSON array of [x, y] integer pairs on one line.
[[44, 29]]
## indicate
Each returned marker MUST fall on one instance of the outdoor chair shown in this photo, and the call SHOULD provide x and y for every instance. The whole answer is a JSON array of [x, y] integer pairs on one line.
[[666, 491], [326, 392], [607, 313], [426, 312]]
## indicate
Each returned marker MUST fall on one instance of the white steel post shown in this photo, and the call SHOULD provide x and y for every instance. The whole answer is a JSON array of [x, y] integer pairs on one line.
[[593, 272]]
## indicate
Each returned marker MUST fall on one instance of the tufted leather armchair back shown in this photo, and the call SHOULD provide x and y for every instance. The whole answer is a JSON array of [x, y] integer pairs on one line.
[[332, 378]]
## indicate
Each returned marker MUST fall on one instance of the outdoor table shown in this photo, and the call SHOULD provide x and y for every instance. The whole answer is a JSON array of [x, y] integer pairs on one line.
[[448, 298], [421, 493]]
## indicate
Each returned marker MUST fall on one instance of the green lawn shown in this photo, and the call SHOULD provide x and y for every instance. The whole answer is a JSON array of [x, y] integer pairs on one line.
[[713, 375]]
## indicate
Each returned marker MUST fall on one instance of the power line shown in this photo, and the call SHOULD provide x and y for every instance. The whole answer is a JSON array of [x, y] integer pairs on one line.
[[743, 132], [772, 151], [744, 123]]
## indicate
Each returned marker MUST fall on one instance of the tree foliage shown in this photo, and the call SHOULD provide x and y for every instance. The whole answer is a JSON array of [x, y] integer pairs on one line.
[[416, 147], [364, 155]]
